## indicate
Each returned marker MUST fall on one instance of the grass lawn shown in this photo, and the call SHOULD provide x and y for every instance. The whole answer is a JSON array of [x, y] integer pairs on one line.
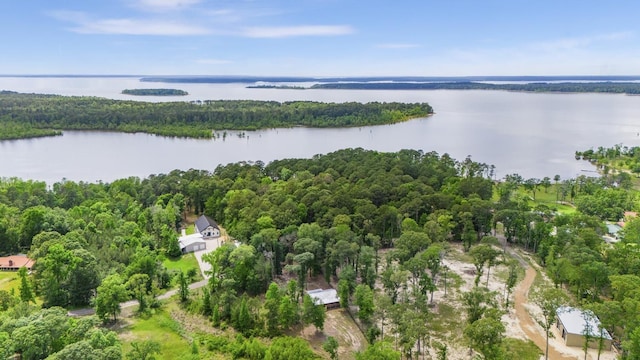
[[184, 263], [547, 198], [161, 328], [521, 349], [9, 280]]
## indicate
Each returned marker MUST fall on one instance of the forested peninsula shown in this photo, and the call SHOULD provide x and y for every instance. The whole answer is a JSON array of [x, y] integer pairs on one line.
[[31, 115], [155, 92]]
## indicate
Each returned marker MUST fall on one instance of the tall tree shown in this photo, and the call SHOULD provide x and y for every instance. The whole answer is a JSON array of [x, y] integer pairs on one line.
[[109, 295], [550, 300]]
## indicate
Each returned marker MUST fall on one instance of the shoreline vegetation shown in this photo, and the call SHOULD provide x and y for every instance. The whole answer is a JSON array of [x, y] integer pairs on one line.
[[623, 84], [629, 88], [618, 158], [155, 92], [33, 115]]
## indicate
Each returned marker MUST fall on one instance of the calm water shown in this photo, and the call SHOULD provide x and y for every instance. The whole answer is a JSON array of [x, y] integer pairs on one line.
[[534, 135]]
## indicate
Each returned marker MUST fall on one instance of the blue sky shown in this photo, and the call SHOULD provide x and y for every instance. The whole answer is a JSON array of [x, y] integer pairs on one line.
[[320, 37]]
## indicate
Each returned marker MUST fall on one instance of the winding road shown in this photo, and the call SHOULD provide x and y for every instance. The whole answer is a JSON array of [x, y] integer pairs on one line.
[[131, 303], [530, 327]]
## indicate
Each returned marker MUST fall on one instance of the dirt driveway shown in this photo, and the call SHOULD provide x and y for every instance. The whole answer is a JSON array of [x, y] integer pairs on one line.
[[528, 325]]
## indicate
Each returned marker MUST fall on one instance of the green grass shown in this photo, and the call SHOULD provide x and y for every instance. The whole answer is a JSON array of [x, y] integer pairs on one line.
[[9, 280], [183, 263], [448, 322], [521, 349], [502, 273], [191, 229], [547, 198], [161, 328]]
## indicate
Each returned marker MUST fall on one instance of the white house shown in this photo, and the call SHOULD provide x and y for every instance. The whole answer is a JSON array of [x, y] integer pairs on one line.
[[207, 227]]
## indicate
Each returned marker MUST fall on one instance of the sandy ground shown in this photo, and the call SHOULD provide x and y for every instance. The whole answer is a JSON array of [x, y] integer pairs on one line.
[[339, 325], [518, 320]]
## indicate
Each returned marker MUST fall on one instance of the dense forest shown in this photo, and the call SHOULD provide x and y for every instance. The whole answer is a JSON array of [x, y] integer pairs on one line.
[[373, 225], [631, 88], [155, 92], [27, 115]]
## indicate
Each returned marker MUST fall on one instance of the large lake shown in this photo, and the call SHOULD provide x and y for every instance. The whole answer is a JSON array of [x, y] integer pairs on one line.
[[534, 135]]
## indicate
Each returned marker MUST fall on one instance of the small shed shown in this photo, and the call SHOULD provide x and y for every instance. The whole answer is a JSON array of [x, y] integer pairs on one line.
[[191, 243], [207, 227], [614, 230], [15, 262], [327, 297], [574, 323]]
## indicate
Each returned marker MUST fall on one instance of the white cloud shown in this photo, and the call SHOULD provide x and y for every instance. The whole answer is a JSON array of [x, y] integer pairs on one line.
[[138, 27], [127, 26], [213, 61], [398, 46], [163, 5], [293, 31], [580, 42]]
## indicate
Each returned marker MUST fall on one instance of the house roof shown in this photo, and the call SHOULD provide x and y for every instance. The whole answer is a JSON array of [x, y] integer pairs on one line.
[[204, 222], [324, 297], [613, 228], [187, 240], [17, 261], [574, 322]]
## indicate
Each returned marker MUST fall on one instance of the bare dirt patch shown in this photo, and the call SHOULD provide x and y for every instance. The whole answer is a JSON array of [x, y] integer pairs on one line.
[[339, 325]]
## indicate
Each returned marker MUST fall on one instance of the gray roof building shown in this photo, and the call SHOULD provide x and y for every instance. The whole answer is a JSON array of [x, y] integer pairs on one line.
[[204, 222], [574, 324], [328, 297]]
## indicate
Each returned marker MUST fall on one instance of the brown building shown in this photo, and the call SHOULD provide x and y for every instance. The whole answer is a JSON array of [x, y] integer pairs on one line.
[[15, 262]]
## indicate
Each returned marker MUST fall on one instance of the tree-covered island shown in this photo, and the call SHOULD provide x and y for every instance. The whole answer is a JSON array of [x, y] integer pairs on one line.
[[30, 115], [155, 92]]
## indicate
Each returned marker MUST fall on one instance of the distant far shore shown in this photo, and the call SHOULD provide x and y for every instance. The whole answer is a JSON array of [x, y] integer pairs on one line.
[[155, 92]]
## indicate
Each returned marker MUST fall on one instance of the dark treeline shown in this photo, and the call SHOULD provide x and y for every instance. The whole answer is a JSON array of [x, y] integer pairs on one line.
[[190, 119], [221, 79], [568, 87], [155, 92]]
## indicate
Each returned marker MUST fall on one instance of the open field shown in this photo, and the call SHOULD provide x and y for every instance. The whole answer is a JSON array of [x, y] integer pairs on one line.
[[159, 327], [183, 263], [9, 280]]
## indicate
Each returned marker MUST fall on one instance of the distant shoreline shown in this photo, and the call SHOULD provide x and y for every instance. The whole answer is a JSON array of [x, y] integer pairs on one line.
[[155, 92]]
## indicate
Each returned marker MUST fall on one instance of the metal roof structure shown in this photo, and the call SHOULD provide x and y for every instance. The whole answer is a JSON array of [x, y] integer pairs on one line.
[[324, 297], [574, 322], [187, 240]]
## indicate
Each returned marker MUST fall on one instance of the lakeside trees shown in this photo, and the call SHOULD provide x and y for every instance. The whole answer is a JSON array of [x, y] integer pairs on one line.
[[562, 87], [30, 115]]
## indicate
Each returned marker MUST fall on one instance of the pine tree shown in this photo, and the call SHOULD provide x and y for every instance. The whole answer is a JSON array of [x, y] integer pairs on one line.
[[26, 293]]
